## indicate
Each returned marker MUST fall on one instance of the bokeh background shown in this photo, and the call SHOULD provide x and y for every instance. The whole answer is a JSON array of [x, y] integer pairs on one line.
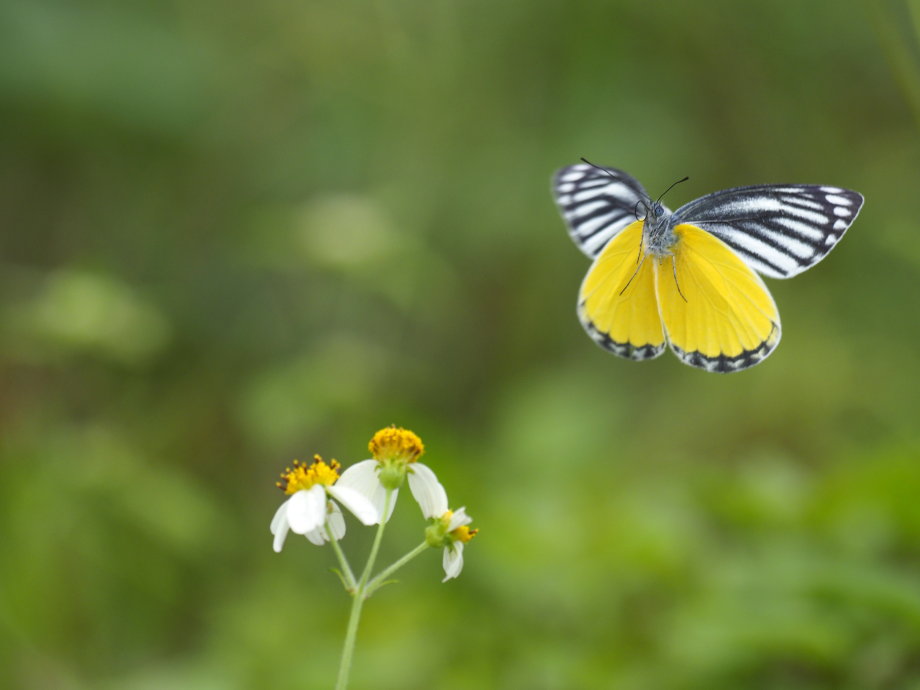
[[234, 234]]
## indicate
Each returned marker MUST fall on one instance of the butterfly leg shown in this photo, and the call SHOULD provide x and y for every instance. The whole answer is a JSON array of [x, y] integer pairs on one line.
[[635, 273], [677, 282]]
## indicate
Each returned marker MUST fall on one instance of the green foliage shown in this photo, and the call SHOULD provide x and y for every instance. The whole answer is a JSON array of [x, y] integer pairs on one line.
[[235, 234]]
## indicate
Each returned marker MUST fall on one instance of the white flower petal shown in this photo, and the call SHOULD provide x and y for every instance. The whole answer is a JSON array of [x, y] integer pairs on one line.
[[317, 536], [307, 509], [362, 477], [453, 560], [357, 503], [427, 490], [393, 496], [458, 519], [336, 523], [280, 528], [279, 516]]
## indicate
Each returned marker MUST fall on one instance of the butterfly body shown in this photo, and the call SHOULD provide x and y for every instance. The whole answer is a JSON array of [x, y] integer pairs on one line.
[[657, 229], [689, 279]]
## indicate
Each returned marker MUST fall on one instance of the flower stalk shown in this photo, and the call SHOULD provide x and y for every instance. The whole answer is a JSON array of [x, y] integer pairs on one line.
[[380, 579], [348, 577], [357, 601]]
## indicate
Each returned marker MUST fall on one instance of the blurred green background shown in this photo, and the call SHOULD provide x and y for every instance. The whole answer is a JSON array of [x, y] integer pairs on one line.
[[232, 234]]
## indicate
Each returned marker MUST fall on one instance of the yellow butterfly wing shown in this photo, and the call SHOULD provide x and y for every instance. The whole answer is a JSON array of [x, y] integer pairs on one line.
[[717, 313], [617, 304]]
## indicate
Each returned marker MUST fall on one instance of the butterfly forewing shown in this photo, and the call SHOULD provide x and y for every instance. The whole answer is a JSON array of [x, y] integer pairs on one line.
[[596, 204], [779, 230]]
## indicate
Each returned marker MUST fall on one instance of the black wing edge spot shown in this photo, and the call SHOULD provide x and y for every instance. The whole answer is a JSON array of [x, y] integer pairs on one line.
[[723, 364], [637, 353]]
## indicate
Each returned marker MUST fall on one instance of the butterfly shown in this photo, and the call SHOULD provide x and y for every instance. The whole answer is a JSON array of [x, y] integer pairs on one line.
[[689, 278]]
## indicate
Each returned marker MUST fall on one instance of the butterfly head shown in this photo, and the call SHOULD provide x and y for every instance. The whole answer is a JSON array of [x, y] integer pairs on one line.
[[656, 228], [648, 210]]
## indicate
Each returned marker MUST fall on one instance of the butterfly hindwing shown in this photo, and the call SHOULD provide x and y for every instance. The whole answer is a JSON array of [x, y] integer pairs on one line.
[[596, 203], [717, 313], [617, 303], [779, 230]]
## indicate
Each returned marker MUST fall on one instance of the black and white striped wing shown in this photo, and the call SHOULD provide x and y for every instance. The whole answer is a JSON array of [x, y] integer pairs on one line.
[[778, 230], [596, 204]]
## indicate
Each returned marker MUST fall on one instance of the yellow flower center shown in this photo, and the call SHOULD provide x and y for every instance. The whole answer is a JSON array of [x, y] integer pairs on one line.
[[396, 443], [464, 533], [303, 476]]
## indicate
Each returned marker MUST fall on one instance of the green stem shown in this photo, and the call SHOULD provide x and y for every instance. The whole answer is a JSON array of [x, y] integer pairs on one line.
[[380, 579], [343, 562], [357, 600], [350, 634], [377, 539]]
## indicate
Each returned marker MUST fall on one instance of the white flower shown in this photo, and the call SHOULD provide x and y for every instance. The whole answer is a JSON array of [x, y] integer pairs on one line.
[[396, 453], [310, 506], [450, 531]]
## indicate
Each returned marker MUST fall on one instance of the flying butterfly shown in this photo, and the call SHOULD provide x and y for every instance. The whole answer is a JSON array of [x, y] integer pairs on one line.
[[689, 278]]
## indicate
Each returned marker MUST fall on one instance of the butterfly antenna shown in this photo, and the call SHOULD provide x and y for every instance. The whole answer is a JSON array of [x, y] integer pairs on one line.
[[669, 188], [599, 167]]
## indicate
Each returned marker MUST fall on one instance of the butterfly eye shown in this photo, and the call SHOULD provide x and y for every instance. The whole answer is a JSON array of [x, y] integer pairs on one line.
[[657, 209]]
